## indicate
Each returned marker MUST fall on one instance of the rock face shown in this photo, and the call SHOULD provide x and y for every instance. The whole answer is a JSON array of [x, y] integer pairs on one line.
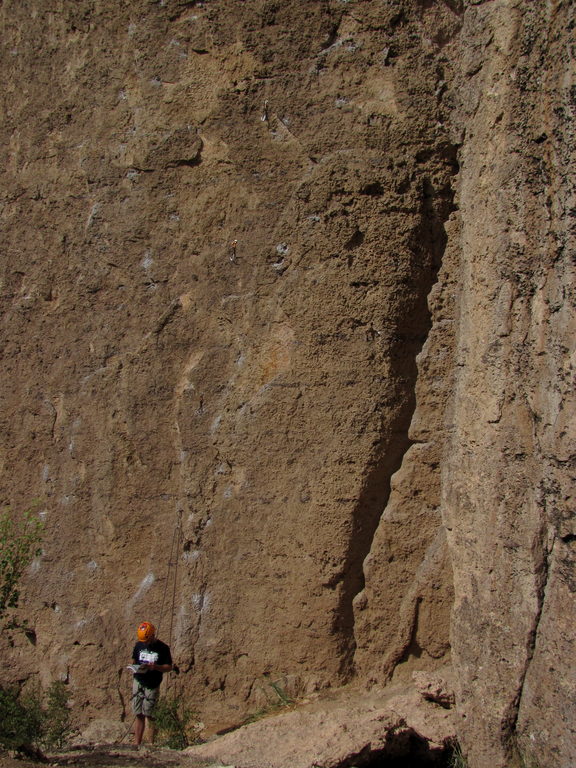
[[337, 732], [288, 350], [507, 479]]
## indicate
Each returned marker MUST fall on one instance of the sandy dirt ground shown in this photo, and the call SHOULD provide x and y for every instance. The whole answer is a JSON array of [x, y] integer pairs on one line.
[[109, 756]]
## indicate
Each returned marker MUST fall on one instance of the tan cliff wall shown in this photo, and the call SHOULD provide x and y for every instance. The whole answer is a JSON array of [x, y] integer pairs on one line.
[[507, 482], [266, 394], [360, 412]]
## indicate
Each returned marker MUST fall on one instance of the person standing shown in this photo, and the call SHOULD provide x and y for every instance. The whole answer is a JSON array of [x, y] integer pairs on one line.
[[152, 658]]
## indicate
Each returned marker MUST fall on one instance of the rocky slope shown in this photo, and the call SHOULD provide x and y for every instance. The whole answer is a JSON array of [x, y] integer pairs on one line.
[[288, 359]]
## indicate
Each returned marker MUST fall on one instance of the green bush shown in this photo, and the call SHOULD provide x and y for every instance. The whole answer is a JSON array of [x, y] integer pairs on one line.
[[284, 699], [26, 722], [56, 725], [528, 762], [278, 700], [20, 537], [20, 720], [176, 723], [457, 759]]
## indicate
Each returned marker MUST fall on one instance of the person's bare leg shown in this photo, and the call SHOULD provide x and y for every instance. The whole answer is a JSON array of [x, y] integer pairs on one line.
[[151, 730], [139, 724]]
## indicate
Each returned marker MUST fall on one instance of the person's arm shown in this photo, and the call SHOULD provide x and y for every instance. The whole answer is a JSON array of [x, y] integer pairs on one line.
[[161, 667], [165, 660]]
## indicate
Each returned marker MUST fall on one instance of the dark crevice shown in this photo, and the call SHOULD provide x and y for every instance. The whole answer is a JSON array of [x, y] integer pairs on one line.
[[331, 38], [542, 571], [356, 240], [427, 246], [181, 8], [413, 648], [373, 190], [192, 162], [456, 6], [404, 749]]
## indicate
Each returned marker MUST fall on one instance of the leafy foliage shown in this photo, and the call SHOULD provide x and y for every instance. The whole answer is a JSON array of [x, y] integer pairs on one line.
[[26, 722], [176, 722], [20, 719], [277, 701], [57, 727], [20, 537], [457, 759], [284, 699]]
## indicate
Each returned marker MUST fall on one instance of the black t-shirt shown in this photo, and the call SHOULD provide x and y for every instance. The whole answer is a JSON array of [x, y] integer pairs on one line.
[[157, 653]]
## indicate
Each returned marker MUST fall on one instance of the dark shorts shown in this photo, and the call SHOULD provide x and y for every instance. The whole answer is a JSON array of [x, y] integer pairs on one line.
[[144, 699]]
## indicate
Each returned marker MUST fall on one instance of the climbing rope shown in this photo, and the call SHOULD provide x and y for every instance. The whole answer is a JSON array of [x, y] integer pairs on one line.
[[172, 563]]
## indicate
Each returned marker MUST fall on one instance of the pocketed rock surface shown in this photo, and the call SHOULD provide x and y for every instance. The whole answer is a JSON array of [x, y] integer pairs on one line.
[[287, 301]]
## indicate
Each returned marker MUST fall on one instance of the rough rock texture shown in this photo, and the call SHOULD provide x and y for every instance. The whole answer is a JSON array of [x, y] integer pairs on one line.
[[288, 333], [264, 389], [508, 474], [339, 733]]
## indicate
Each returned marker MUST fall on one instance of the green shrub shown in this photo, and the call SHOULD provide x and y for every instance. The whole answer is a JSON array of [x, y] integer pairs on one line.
[[176, 723], [56, 725], [457, 759], [20, 720], [277, 700], [528, 762], [26, 722], [20, 537], [284, 700]]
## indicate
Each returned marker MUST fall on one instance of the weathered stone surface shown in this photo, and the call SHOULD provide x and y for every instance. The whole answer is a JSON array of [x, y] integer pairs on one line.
[[338, 733], [435, 687], [299, 276], [508, 474], [264, 390]]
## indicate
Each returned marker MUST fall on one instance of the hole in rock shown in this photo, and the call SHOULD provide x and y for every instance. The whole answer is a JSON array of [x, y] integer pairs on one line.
[[356, 240], [373, 190], [403, 750]]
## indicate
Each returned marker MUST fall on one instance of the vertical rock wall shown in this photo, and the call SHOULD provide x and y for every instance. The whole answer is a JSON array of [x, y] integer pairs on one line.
[[507, 479], [260, 392], [297, 277]]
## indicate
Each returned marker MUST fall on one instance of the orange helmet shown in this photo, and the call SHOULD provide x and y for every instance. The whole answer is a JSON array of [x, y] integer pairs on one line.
[[146, 631]]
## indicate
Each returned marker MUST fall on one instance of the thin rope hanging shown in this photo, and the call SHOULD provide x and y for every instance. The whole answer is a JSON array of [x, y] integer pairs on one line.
[[175, 582], [172, 561]]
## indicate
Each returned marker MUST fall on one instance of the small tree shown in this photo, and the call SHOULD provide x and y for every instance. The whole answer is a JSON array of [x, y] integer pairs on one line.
[[20, 538], [57, 727], [32, 721], [20, 720], [20, 716]]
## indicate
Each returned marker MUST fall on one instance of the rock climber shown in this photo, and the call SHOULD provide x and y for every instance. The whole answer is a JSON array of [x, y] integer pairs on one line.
[[152, 658]]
